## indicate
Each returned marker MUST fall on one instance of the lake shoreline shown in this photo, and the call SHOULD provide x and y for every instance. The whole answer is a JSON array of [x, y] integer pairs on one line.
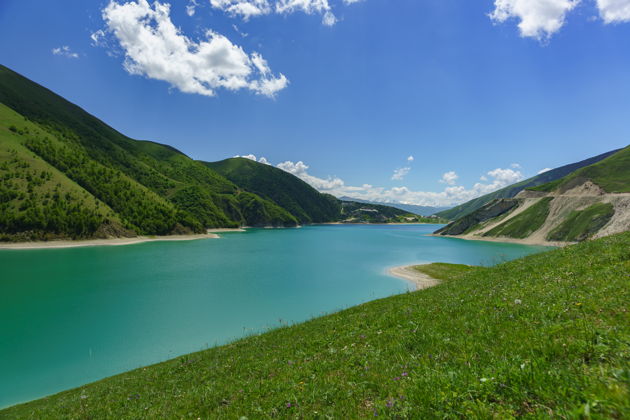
[[69, 243], [526, 241], [414, 277]]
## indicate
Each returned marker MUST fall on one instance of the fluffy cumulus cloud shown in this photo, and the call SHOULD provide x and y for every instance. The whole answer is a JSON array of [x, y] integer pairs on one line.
[[451, 195], [410, 158], [154, 47], [541, 19], [244, 8], [537, 18], [400, 173], [614, 11], [449, 178], [300, 169], [64, 51], [247, 9]]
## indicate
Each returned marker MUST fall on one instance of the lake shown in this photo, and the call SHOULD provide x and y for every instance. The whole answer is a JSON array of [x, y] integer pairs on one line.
[[72, 316]]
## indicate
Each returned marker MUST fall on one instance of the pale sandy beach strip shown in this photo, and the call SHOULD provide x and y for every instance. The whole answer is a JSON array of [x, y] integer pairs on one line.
[[104, 242], [417, 279]]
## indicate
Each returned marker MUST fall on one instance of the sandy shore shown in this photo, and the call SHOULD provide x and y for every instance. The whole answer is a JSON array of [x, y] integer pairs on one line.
[[104, 242], [417, 279]]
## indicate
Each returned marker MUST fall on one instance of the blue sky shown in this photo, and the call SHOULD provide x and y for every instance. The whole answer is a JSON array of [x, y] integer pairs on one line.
[[480, 93]]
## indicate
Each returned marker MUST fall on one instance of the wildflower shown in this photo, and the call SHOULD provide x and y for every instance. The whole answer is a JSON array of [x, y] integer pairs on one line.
[[390, 403], [404, 374], [517, 301], [397, 378], [288, 405], [483, 379]]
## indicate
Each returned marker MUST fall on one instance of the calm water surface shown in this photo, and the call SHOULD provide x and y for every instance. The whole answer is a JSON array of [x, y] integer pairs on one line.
[[72, 316]]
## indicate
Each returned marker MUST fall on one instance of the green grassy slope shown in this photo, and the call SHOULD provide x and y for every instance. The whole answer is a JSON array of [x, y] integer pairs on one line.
[[544, 336], [611, 174], [581, 225], [39, 201], [151, 188], [525, 223], [511, 191], [304, 202]]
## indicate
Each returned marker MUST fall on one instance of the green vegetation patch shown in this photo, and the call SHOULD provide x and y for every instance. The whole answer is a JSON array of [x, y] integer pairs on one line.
[[443, 271], [611, 174], [540, 337], [583, 224], [524, 224]]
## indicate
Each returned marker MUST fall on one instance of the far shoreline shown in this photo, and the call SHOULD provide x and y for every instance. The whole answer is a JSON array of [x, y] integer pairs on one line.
[[69, 243], [526, 241]]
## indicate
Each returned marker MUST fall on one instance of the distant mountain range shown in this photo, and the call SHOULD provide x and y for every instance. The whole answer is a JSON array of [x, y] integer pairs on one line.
[[589, 202], [419, 210], [66, 174], [512, 190]]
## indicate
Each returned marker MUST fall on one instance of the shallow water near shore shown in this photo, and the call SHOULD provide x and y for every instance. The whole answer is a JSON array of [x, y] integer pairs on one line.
[[72, 316]]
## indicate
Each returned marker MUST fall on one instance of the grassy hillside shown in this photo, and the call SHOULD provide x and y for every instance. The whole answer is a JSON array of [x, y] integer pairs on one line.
[[37, 200], [544, 336], [361, 212], [611, 174], [144, 187], [304, 202], [511, 191], [424, 211], [525, 223], [581, 225]]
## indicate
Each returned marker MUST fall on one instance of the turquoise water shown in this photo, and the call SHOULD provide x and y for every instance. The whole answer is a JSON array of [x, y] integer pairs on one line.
[[72, 316]]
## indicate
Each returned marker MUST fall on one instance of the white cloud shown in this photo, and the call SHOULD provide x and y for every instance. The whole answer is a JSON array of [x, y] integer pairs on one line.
[[299, 169], [449, 178], [247, 9], [65, 51], [155, 48], [351, 1], [191, 7], [542, 171], [244, 8], [538, 18], [329, 19], [614, 11], [253, 157], [238, 31], [451, 195], [308, 7], [410, 159], [400, 173], [515, 166]]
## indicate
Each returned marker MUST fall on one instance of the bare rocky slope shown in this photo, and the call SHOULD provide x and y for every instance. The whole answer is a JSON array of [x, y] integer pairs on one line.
[[589, 203]]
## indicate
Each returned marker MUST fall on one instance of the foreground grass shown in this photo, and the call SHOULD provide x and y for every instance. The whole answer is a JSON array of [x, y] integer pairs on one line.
[[547, 335]]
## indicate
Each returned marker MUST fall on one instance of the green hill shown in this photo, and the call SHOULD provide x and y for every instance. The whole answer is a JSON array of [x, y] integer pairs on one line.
[[540, 337], [512, 190], [568, 209], [304, 202], [611, 174], [66, 174], [126, 186]]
